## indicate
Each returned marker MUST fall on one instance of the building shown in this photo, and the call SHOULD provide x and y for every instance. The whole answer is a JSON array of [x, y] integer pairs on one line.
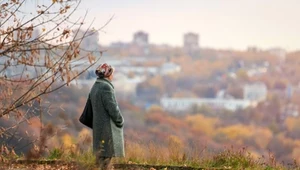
[[89, 40], [279, 52], [191, 41], [126, 86], [119, 45], [141, 39], [289, 110], [169, 68], [191, 44], [183, 104], [256, 71], [255, 92], [138, 70], [253, 49]]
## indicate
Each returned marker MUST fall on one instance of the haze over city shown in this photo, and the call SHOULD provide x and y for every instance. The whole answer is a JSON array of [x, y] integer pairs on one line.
[[221, 24]]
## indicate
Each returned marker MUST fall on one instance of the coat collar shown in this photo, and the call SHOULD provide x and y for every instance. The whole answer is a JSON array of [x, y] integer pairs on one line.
[[105, 80]]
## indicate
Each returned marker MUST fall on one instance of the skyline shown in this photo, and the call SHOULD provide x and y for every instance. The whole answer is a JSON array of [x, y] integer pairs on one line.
[[221, 24]]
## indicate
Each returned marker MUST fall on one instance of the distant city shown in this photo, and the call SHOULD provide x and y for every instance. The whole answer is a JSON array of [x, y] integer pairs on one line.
[[130, 60], [139, 52]]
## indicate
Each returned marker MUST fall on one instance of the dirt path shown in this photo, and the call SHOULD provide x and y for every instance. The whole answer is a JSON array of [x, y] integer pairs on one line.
[[151, 167], [61, 165]]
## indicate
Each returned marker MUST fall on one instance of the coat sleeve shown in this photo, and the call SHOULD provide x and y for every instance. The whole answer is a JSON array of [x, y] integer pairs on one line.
[[111, 106]]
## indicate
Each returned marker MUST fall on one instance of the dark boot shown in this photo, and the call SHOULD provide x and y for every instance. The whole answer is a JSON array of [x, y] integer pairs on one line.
[[104, 163]]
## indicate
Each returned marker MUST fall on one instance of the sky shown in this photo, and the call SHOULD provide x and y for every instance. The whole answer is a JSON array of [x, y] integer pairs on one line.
[[221, 24]]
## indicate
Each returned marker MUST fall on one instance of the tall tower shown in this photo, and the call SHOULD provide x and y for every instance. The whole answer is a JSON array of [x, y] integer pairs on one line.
[[140, 38], [191, 43]]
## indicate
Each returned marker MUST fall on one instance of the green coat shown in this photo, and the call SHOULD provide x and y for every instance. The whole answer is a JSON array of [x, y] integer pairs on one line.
[[108, 138]]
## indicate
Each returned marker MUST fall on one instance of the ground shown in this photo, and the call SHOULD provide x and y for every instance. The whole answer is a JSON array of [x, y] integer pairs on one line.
[[73, 166]]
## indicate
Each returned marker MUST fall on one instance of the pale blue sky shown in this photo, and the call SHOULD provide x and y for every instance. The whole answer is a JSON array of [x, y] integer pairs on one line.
[[220, 23]]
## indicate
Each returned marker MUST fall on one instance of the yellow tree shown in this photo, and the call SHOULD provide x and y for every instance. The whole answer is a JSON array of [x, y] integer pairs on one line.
[[203, 124]]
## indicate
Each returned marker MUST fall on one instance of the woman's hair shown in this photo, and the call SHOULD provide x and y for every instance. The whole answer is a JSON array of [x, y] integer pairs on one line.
[[104, 70]]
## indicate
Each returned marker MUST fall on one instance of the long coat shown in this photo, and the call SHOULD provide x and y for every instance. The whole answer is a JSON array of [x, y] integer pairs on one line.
[[108, 138]]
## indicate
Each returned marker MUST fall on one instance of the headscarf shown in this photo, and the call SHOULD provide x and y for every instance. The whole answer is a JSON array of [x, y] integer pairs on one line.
[[104, 70]]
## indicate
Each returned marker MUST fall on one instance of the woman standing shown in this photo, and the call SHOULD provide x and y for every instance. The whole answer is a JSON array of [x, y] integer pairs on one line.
[[108, 138]]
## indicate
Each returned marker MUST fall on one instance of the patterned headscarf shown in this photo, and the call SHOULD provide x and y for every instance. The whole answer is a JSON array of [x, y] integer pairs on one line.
[[104, 70]]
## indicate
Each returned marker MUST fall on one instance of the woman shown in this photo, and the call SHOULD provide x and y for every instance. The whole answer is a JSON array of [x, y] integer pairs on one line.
[[108, 140]]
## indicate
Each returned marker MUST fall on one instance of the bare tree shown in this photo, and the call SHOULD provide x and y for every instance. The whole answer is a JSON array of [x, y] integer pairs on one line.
[[39, 53]]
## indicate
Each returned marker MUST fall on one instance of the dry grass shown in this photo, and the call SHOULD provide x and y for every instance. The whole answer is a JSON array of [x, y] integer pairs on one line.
[[174, 154]]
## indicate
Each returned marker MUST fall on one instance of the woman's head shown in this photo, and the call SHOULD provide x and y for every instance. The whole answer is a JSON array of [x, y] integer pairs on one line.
[[105, 71]]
